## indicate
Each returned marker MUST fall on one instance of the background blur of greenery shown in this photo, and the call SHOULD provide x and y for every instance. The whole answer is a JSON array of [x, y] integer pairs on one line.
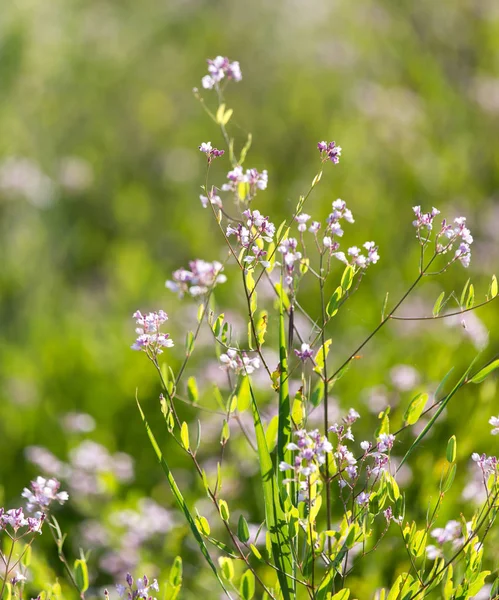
[[99, 186]]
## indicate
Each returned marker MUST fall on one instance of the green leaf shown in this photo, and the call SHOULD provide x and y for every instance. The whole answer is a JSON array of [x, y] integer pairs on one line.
[[189, 342], [451, 449], [217, 325], [261, 326], [493, 287], [470, 299], [227, 567], [449, 479], [347, 277], [384, 426], [317, 394], [184, 436], [180, 500], [225, 433], [7, 592], [192, 390], [26, 560], [81, 575], [243, 394], [463, 293], [250, 286], [334, 301], [220, 113], [281, 292], [437, 307], [245, 149], [247, 586], [485, 372], [316, 179], [284, 416], [243, 529], [415, 409], [175, 576], [227, 116], [272, 432], [275, 519], [343, 594], [224, 510], [203, 525], [321, 356]]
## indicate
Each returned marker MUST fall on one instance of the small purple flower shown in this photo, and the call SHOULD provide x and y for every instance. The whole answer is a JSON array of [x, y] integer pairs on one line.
[[220, 68], [494, 421], [239, 362], [362, 499], [329, 151], [385, 442], [302, 222], [245, 185], [488, 464], [142, 589], [211, 153], [305, 352], [198, 279], [424, 220], [290, 257], [149, 338], [314, 228], [42, 493]]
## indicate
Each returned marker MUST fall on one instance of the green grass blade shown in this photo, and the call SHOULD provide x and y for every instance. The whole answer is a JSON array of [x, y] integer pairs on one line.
[[180, 499], [462, 381], [284, 425], [274, 514]]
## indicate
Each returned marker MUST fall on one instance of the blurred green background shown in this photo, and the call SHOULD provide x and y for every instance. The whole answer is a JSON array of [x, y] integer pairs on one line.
[[99, 202]]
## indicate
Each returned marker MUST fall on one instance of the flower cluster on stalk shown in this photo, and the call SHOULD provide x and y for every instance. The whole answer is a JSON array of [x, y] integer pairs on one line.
[[245, 184], [494, 421], [17, 520], [239, 362], [329, 151], [211, 153], [290, 256], [198, 279], [150, 339], [252, 235], [311, 449], [41, 493], [221, 68], [451, 533], [212, 198], [304, 352], [139, 589], [448, 235]]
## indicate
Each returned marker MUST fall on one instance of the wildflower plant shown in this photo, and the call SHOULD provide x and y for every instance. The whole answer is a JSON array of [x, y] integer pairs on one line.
[[309, 472]]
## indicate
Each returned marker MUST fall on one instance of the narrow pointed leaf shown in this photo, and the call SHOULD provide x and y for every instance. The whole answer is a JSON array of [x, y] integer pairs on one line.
[[180, 500]]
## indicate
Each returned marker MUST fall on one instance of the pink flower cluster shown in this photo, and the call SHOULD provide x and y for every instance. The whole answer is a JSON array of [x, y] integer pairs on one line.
[[211, 153], [355, 258], [257, 227], [448, 235], [333, 225], [142, 588], [245, 184], [198, 279], [304, 352], [16, 520], [150, 339], [290, 256], [329, 151], [239, 362], [220, 68], [42, 493]]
